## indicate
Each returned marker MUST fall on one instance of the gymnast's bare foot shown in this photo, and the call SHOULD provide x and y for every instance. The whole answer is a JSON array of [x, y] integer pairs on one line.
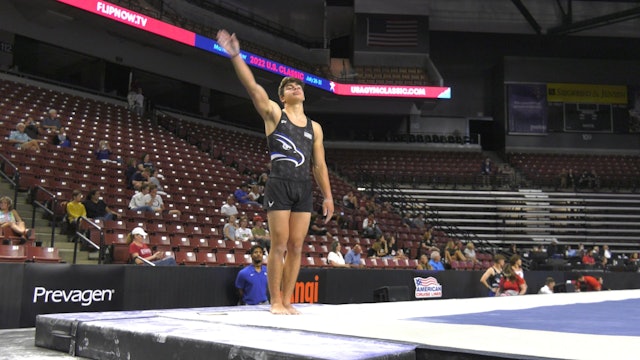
[[279, 309], [291, 310]]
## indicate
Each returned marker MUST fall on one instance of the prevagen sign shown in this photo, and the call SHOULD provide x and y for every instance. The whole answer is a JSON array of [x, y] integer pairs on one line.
[[154, 26], [83, 297]]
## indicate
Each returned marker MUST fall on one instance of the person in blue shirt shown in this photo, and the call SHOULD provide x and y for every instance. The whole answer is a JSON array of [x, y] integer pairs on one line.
[[353, 256], [21, 140], [251, 281], [435, 262], [242, 195]]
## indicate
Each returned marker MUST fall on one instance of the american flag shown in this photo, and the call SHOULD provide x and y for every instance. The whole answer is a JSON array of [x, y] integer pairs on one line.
[[430, 281], [392, 32]]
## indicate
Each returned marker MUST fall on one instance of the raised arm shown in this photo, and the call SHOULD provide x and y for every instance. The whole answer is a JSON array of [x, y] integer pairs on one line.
[[268, 110], [321, 173]]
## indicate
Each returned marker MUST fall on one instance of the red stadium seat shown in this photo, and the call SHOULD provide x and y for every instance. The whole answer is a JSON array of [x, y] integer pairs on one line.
[[43, 254], [13, 253]]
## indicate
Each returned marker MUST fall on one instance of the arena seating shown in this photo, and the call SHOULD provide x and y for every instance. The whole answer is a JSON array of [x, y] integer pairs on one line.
[[408, 167], [614, 171]]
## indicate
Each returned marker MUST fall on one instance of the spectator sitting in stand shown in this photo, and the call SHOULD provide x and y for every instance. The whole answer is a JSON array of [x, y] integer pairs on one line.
[[157, 205], [418, 222], [139, 249], [21, 140], [229, 229], [423, 263], [255, 195], [61, 138], [370, 227], [427, 246], [139, 201], [140, 178], [262, 180], [52, 122], [350, 201], [379, 248], [75, 210], [588, 259], [335, 258], [103, 152], [144, 162], [10, 218], [316, 226], [242, 195], [96, 208], [392, 246], [129, 172], [243, 232], [435, 262], [153, 180], [406, 220], [353, 257], [470, 252], [32, 128], [260, 234], [452, 253], [229, 208]]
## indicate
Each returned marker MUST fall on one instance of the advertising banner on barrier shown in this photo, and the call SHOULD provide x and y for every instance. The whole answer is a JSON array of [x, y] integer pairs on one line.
[[310, 287], [63, 288]]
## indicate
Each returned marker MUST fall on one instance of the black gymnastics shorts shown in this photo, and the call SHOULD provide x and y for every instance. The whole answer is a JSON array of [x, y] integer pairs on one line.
[[280, 194]]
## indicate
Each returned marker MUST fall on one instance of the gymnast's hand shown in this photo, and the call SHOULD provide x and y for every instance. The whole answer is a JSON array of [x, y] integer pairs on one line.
[[229, 43], [327, 210]]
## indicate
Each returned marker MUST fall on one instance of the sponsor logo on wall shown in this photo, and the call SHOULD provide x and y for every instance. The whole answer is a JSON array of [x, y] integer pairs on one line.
[[427, 287], [306, 291], [84, 297]]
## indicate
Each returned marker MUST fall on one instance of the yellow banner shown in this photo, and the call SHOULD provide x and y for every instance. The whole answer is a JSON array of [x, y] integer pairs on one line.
[[587, 94]]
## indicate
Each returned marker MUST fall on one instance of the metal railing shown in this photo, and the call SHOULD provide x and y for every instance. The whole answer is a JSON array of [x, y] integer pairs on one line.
[[48, 206], [80, 234]]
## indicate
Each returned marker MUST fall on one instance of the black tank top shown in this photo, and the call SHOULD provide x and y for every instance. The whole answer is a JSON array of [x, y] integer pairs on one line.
[[494, 280], [291, 148]]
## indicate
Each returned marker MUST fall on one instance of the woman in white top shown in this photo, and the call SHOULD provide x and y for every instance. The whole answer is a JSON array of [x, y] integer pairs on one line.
[[243, 232], [254, 194], [335, 258]]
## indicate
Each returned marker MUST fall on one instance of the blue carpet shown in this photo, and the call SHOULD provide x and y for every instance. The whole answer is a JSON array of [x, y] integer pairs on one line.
[[615, 318]]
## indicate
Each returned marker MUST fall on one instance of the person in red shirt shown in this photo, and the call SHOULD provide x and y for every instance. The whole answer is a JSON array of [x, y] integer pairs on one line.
[[588, 259], [139, 249], [511, 284], [589, 283]]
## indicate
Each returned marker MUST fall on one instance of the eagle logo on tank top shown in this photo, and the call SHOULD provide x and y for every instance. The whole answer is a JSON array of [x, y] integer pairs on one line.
[[288, 151]]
